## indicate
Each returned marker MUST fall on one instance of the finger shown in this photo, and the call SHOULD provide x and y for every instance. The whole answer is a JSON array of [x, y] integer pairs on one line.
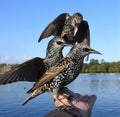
[[62, 102], [90, 103], [85, 101], [92, 100], [84, 94]]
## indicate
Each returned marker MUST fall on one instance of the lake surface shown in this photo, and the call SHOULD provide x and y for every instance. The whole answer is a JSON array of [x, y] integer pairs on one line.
[[105, 86]]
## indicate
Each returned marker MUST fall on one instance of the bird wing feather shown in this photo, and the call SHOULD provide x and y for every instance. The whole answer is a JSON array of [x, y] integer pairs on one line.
[[55, 27], [83, 32], [50, 74], [30, 70]]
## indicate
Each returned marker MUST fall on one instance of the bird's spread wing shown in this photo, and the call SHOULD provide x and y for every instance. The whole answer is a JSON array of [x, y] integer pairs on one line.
[[55, 27], [83, 33], [50, 74], [30, 70]]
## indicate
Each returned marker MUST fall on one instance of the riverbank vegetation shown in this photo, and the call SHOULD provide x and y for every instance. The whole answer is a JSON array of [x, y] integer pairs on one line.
[[94, 66]]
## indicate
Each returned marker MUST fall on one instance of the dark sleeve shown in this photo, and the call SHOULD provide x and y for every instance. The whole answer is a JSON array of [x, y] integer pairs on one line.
[[73, 112]]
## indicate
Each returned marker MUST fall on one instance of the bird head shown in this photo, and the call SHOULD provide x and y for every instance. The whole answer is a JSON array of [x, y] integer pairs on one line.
[[57, 44], [82, 50], [78, 18], [86, 50]]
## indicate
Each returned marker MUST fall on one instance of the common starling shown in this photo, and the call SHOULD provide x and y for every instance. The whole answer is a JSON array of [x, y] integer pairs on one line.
[[62, 73], [70, 28], [33, 69]]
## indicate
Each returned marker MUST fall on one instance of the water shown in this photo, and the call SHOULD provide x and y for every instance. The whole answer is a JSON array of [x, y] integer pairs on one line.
[[105, 86]]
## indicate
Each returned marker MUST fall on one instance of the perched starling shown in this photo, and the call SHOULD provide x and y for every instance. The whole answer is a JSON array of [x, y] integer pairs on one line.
[[62, 73], [70, 28], [33, 69]]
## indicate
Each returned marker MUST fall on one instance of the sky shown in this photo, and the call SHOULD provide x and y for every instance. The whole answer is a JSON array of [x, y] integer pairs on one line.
[[22, 22]]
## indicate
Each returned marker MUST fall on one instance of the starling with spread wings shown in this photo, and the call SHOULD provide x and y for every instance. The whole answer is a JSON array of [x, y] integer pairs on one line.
[[70, 28]]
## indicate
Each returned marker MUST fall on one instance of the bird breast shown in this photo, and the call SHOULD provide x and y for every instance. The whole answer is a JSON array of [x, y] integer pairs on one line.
[[66, 76]]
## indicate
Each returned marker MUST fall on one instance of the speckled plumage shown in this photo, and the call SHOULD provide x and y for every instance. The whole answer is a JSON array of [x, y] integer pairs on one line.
[[62, 73]]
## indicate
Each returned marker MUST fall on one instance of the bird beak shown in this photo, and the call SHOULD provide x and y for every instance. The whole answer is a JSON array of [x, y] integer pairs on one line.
[[95, 51]]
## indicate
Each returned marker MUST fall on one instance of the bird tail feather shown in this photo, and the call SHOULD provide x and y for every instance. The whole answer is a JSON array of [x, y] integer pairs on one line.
[[27, 99], [33, 95]]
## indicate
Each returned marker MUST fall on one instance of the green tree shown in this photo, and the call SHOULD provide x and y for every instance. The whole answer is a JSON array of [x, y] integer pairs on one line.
[[93, 62]]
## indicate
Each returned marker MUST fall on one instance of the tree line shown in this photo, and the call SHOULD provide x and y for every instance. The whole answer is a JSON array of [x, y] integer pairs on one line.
[[94, 66], [103, 67]]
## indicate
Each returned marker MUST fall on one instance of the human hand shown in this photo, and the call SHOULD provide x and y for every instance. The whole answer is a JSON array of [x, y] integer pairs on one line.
[[83, 102]]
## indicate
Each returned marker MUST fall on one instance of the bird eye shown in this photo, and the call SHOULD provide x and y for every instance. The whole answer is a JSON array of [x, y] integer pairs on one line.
[[85, 49], [59, 42]]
